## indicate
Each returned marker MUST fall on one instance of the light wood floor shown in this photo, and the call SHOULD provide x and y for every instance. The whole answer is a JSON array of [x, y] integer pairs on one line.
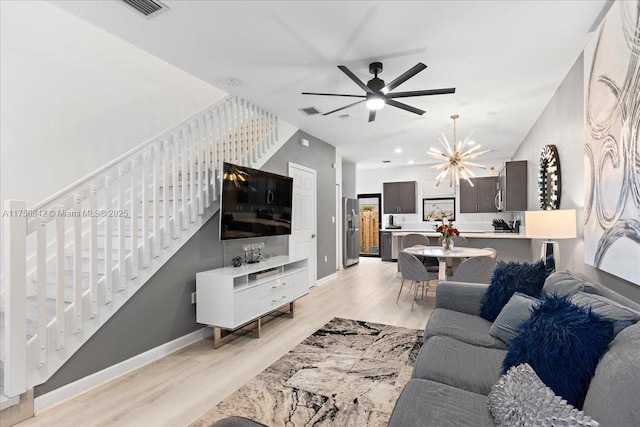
[[177, 389]]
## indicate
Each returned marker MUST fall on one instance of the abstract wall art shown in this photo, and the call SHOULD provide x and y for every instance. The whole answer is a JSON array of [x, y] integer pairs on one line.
[[612, 144]]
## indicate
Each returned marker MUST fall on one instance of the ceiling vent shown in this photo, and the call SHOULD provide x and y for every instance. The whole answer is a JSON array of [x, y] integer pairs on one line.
[[309, 111], [386, 161], [148, 8]]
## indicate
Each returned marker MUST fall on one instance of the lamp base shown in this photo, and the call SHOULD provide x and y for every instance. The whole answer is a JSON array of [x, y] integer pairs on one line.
[[550, 254]]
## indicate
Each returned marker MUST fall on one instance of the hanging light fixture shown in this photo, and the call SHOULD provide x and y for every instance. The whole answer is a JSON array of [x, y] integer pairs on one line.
[[455, 159]]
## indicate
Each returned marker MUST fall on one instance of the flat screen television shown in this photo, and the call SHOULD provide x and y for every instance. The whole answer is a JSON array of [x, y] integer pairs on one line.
[[254, 203]]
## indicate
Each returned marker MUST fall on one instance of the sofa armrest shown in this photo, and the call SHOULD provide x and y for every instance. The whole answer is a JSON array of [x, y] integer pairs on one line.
[[460, 296]]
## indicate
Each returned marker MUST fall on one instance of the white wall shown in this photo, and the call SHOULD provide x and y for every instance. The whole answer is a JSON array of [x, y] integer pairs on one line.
[[371, 180], [74, 97]]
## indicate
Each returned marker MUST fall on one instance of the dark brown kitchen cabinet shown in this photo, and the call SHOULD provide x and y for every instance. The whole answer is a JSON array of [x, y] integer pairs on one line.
[[479, 198], [513, 183], [399, 197]]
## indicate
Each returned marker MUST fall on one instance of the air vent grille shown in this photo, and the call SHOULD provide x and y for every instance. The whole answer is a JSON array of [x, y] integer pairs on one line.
[[147, 7], [309, 111]]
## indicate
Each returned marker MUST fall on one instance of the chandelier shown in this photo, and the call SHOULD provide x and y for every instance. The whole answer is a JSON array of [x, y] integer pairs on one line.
[[455, 161]]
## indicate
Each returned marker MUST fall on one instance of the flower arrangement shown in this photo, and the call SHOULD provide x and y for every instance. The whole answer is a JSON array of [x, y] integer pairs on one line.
[[447, 231]]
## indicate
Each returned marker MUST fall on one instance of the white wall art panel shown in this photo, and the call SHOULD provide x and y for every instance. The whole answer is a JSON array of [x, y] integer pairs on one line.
[[612, 151]]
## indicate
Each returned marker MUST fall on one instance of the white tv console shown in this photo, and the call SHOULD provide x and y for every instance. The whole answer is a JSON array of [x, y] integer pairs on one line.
[[230, 298]]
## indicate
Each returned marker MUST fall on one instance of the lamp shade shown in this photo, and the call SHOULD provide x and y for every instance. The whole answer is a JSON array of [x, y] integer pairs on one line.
[[550, 224]]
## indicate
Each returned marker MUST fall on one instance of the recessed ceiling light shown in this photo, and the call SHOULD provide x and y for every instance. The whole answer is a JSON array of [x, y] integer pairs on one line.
[[233, 82], [410, 162], [398, 150]]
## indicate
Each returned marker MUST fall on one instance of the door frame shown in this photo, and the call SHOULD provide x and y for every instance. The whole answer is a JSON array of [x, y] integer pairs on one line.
[[379, 197]]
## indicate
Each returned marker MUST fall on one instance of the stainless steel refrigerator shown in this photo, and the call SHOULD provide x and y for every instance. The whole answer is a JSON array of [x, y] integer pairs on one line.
[[351, 228]]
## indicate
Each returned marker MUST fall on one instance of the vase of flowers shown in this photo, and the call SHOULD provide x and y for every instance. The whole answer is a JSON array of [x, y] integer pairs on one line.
[[448, 231]]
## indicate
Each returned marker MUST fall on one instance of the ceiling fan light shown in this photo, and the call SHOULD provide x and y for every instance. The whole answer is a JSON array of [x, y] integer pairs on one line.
[[375, 102]]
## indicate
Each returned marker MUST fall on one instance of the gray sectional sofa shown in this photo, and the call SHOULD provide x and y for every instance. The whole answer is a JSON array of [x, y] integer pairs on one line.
[[460, 362]]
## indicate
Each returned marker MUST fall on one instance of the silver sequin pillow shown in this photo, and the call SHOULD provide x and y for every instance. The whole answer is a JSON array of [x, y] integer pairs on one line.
[[520, 398]]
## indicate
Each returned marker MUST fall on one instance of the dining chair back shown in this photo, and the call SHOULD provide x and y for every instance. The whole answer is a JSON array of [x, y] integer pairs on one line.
[[413, 269], [476, 269], [494, 253], [414, 239]]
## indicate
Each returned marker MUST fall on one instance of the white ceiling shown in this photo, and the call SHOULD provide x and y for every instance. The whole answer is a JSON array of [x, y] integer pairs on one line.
[[505, 59]]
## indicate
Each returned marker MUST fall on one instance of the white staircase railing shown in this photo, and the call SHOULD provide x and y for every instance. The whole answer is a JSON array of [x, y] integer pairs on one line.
[[74, 259]]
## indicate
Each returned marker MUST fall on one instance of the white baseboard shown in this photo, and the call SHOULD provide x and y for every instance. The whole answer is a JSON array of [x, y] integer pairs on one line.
[[7, 402], [326, 279], [92, 381]]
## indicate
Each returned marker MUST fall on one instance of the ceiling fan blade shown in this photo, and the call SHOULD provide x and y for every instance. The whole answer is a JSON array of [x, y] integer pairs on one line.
[[333, 94], [404, 77], [372, 115], [405, 107], [342, 108], [422, 93], [355, 78]]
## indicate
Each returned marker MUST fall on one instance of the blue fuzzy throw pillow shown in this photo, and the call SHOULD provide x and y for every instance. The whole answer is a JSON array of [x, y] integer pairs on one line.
[[563, 343], [509, 278]]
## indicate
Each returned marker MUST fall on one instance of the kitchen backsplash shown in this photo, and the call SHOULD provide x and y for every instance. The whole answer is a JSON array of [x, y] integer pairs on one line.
[[468, 222]]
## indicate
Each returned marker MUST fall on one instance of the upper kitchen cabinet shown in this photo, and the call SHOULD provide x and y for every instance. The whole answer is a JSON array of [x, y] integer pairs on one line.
[[399, 197], [513, 185], [479, 198]]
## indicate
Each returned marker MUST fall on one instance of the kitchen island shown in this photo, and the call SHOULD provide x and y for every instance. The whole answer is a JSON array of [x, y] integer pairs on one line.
[[510, 246]]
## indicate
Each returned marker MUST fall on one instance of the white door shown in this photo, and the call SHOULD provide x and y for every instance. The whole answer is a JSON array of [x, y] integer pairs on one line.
[[302, 243]]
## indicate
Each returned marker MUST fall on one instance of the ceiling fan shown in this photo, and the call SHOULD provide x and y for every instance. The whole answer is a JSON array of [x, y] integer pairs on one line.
[[378, 94]]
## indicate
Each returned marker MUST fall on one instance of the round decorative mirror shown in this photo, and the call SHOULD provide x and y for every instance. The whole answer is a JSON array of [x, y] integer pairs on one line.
[[549, 178]]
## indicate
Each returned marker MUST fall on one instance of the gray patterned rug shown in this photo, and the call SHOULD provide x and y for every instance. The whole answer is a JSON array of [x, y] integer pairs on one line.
[[348, 373]]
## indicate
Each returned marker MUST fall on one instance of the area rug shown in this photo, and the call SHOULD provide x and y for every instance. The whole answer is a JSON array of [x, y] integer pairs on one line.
[[348, 373]]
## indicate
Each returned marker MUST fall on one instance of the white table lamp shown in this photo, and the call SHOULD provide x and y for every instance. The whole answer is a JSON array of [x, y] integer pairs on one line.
[[550, 225]]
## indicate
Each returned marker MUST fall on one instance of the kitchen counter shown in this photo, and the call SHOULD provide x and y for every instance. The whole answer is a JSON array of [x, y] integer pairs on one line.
[[466, 234]]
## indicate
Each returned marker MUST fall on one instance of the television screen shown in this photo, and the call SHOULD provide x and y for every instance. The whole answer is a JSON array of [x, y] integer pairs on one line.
[[254, 203]]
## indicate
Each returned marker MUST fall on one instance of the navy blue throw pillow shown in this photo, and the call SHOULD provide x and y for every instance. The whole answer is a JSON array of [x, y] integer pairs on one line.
[[563, 343], [509, 278]]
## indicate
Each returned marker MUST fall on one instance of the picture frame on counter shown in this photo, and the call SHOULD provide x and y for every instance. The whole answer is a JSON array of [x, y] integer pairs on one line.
[[438, 208]]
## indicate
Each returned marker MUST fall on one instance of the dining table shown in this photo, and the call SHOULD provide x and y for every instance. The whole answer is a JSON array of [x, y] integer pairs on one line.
[[438, 252]]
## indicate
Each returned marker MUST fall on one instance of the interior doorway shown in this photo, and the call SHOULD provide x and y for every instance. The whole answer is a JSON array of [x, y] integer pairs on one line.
[[370, 216], [303, 242]]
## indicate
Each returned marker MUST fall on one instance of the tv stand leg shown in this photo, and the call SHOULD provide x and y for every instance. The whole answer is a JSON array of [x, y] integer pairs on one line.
[[258, 328], [217, 337], [291, 308]]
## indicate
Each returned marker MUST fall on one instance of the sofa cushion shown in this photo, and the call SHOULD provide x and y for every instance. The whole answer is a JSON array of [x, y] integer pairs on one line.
[[459, 364], [508, 278], [620, 315], [563, 343], [509, 322], [463, 327], [612, 398], [429, 403], [520, 398], [567, 283]]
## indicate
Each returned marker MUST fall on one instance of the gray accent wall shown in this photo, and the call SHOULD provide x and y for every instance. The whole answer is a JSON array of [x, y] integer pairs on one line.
[[319, 156], [160, 312], [562, 124]]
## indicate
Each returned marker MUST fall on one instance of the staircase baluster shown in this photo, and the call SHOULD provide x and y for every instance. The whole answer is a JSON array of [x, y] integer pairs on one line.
[[133, 218], [146, 235], [77, 265], [208, 155], [61, 320], [192, 178], [166, 225], [183, 179], [121, 233], [200, 190], [237, 142], [93, 251], [175, 175], [155, 154], [108, 242], [41, 253]]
